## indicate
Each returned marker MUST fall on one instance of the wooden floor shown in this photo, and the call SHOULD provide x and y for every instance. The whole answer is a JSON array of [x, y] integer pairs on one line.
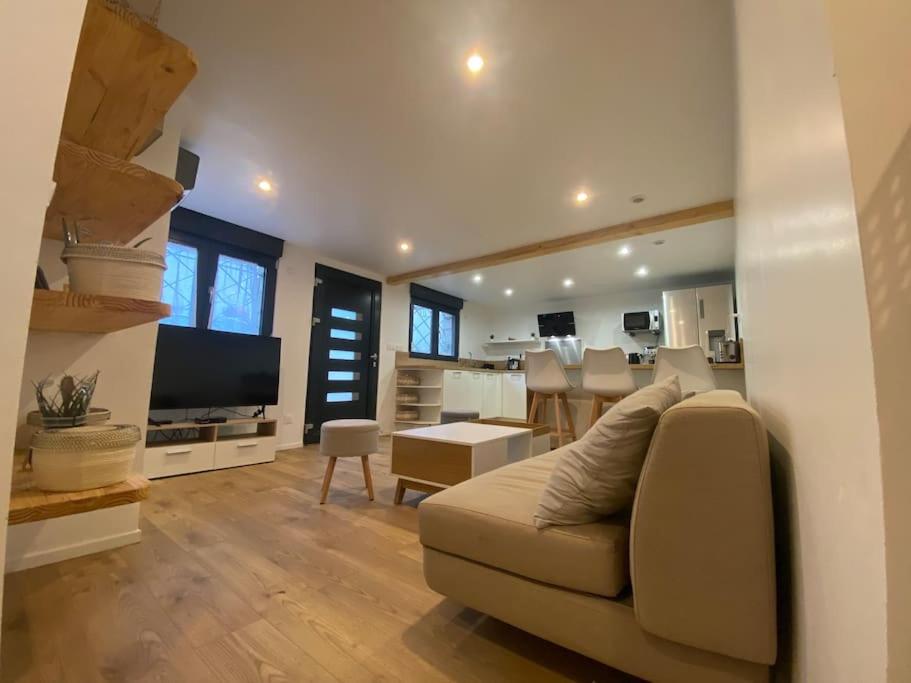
[[242, 576]]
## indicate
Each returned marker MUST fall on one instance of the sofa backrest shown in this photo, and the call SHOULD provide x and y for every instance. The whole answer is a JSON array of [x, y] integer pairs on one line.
[[701, 546]]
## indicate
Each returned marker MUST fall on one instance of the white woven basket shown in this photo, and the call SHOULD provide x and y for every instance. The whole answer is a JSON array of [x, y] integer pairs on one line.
[[114, 271], [83, 457]]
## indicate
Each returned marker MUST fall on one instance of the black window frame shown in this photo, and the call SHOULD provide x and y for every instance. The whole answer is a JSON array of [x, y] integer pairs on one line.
[[437, 302], [208, 251]]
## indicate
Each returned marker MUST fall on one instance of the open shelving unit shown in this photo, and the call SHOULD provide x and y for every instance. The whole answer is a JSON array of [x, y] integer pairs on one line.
[[428, 391], [54, 311]]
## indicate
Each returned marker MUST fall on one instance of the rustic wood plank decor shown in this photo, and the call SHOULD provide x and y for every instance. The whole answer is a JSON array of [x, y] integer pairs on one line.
[[54, 311], [28, 504], [644, 226], [243, 576], [126, 76], [113, 200]]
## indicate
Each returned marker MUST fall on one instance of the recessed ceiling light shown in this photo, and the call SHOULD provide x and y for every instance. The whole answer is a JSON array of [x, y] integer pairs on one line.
[[508, 291], [641, 271], [404, 247], [581, 197], [475, 63], [478, 278], [568, 282], [264, 185], [637, 198], [625, 250]]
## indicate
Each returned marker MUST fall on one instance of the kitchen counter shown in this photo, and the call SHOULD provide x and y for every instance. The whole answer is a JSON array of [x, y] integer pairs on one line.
[[404, 361]]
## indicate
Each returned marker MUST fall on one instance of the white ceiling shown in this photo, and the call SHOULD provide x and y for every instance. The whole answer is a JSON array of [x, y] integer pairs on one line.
[[364, 117], [699, 250]]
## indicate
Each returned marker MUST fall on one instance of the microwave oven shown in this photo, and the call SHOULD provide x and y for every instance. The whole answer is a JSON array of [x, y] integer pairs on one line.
[[641, 321]]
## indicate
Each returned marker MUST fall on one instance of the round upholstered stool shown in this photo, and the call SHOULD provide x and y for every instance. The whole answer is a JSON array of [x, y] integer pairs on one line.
[[448, 416], [348, 439]]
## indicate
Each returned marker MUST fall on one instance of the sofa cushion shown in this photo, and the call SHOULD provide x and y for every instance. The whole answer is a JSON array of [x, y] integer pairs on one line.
[[490, 520], [597, 475]]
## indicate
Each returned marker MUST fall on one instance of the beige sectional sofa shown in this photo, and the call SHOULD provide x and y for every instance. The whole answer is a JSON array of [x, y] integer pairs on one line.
[[683, 589]]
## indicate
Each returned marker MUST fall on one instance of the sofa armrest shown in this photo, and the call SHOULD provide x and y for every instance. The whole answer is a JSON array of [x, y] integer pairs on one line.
[[702, 547]]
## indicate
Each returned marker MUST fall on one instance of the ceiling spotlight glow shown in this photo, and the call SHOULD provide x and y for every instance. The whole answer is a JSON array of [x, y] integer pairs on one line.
[[264, 185], [568, 282], [625, 250], [581, 197], [475, 63], [477, 278], [641, 271], [404, 247], [508, 291]]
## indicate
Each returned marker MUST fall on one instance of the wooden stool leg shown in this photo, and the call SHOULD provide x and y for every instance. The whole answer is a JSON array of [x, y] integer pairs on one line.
[[596, 412], [330, 468], [569, 418], [558, 419], [399, 492], [532, 412], [365, 463]]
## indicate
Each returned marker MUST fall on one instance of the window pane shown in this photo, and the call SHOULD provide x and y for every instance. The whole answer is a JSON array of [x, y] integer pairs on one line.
[[343, 376], [179, 286], [344, 334], [345, 314], [338, 354], [421, 323], [447, 334], [237, 299], [341, 396]]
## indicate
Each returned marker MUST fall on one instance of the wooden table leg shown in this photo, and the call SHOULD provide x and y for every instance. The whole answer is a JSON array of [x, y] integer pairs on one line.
[[330, 468], [365, 463], [569, 418], [399, 492]]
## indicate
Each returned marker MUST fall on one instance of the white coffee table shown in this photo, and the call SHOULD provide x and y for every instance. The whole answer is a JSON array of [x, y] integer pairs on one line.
[[430, 459]]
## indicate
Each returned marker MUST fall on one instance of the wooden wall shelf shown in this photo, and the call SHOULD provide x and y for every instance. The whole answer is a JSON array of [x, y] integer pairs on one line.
[[28, 504], [54, 311], [113, 199], [126, 76]]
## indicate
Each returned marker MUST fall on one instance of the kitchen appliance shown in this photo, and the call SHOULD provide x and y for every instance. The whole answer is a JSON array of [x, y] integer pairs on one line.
[[634, 358], [556, 324], [700, 316], [568, 349], [512, 363], [727, 352], [649, 354], [641, 321]]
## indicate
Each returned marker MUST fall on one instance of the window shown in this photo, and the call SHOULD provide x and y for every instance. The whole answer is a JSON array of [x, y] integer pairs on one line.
[[218, 286], [434, 324]]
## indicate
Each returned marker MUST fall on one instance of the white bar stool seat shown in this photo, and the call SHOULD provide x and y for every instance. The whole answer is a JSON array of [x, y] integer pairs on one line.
[[546, 378], [348, 439], [689, 364], [606, 375]]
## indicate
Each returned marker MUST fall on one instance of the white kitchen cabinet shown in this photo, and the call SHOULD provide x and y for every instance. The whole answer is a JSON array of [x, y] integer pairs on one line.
[[462, 390], [513, 393], [492, 396]]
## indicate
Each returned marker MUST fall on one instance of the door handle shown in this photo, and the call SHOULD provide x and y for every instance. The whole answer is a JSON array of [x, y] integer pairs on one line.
[[701, 308], [178, 451], [247, 444]]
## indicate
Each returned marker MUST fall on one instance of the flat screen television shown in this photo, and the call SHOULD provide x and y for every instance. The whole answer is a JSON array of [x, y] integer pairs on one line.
[[204, 369], [556, 325]]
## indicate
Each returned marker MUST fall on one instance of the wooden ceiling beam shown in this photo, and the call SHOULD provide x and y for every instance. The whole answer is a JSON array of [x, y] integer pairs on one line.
[[643, 226]]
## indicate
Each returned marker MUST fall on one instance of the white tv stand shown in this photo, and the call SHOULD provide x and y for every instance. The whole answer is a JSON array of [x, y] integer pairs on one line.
[[241, 441]]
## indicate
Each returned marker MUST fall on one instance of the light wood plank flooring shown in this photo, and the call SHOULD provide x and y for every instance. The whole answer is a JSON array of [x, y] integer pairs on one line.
[[242, 576]]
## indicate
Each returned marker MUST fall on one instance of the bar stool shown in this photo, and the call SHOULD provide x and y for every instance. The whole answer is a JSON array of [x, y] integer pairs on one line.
[[348, 439], [606, 375], [546, 378], [690, 366]]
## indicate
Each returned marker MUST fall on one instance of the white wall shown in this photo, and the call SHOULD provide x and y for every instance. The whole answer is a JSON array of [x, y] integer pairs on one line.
[[125, 361], [30, 117], [872, 58], [798, 270]]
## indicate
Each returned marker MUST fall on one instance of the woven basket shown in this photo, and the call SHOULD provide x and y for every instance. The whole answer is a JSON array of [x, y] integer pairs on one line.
[[83, 458], [409, 379], [114, 271], [406, 415], [407, 397]]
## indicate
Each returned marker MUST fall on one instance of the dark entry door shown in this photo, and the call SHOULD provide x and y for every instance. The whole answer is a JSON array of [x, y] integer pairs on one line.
[[344, 349]]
